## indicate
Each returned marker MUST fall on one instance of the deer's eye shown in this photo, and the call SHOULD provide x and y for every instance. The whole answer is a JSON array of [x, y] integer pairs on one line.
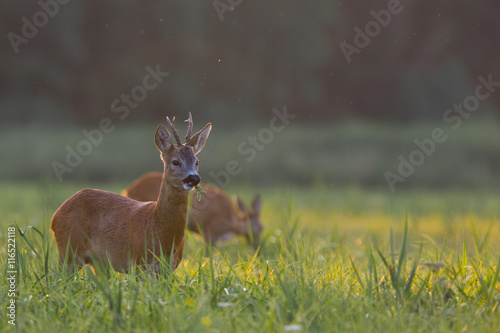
[[176, 163]]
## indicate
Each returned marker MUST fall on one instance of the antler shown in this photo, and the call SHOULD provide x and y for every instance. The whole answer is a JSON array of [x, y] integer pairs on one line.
[[176, 135], [172, 126], [190, 128]]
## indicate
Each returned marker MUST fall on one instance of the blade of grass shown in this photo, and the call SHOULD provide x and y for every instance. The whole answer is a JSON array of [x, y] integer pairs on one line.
[[413, 272], [402, 252], [394, 280], [358, 277], [23, 236], [493, 281]]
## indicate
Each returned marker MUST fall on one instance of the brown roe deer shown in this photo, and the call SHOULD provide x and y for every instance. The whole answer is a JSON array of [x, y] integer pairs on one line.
[[213, 215], [95, 224]]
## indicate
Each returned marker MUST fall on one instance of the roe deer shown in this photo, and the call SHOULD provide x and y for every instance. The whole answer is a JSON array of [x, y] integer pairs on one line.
[[218, 220], [144, 188], [214, 214], [95, 224]]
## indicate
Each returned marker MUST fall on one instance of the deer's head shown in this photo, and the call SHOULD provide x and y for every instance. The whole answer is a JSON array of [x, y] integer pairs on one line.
[[180, 162], [252, 216]]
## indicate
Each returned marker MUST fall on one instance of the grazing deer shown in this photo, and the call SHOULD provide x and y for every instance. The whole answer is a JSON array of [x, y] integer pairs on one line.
[[217, 219], [95, 224], [213, 215], [145, 188]]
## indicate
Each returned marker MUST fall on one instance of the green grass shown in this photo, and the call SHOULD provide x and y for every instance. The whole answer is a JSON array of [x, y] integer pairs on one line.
[[331, 260], [340, 153]]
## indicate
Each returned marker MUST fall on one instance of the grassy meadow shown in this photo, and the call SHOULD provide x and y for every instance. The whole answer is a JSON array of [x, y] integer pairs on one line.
[[339, 253], [331, 260]]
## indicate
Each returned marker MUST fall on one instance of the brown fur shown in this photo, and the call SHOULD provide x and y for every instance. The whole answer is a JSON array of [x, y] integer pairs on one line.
[[145, 188], [107, 226], [214, 215]]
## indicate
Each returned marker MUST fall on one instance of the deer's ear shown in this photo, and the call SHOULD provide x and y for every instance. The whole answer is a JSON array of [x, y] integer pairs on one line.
[[199, 139], [241, 205], [162, 139], [256, 204]]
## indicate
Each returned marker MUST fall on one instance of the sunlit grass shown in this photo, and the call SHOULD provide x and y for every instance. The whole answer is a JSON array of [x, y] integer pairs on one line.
[[363, 263]]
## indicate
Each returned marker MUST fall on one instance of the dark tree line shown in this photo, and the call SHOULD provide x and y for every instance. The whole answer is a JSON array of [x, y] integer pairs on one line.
[[262, 54]]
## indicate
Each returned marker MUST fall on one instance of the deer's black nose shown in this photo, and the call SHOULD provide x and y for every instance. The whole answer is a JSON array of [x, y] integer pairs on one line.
[[192, 180]]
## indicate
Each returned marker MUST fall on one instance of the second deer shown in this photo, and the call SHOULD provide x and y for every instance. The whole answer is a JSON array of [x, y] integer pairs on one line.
[[214, 215]]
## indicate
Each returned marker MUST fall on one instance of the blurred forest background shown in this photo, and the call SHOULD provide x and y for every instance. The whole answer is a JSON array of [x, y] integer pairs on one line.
[[352, 121]]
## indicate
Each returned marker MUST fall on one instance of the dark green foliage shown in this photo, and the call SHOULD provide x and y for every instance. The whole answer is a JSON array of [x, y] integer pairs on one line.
[[264, 54]]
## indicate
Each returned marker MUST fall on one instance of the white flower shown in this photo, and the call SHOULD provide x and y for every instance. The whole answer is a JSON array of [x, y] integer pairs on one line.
[[224, 304], [292, 328]]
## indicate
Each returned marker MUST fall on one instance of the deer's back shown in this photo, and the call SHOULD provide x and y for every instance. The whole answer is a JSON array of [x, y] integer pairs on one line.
[[103, 223], [145, 188]]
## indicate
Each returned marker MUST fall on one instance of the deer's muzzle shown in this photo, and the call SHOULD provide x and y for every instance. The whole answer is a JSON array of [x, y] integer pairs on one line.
[[191, 181]]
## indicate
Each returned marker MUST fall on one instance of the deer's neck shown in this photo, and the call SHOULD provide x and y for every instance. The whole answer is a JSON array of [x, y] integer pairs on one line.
[[171, 209]]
